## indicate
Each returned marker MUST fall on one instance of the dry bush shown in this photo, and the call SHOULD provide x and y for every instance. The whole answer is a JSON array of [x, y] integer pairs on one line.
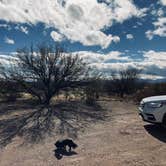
[[150, 90], [9, 91], [45, 71], [93, 91], [125, 82]]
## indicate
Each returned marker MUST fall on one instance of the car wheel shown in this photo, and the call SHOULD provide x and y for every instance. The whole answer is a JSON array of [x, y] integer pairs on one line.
[[164, 121]]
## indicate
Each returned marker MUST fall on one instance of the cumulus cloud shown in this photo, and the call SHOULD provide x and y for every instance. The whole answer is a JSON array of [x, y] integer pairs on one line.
[[108, 63], [23, 29], [155, 58], [153, 64], [56, 36], [116, 39], [160, 28], [158, 14], [5, 26], [9, 41], [129, 36], [151, 76], [163, 2], [77, 20], [93, 58], [149, 34], [159, 23]]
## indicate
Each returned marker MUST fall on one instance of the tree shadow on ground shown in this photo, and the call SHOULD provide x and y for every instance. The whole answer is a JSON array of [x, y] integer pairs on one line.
[[156, 131], [7, 108], [22, 125], [62, 118], [75, 117]]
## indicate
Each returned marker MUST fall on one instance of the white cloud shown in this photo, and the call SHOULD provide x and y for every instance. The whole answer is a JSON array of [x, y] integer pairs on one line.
[[9, 41], [151, 76], [129, 36], [160, 28], [126, 9], [9, 59], [3, 25], [149, 34], [23, 29], [159, 23], [163, 2], [156, 12], [153, 63], [116, 39], [77, 20], [160, 12], [56, 36], [6, 26], [92, 57], [155, 58]]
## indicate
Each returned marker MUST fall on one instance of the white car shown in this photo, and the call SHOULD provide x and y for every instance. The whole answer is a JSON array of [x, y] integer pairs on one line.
[[153, 109]]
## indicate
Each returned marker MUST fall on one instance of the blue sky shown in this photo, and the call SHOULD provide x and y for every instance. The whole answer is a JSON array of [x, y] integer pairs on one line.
[[127, 33]]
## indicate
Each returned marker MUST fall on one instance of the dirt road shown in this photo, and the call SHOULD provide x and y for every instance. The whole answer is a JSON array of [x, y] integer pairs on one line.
[[124, 140]]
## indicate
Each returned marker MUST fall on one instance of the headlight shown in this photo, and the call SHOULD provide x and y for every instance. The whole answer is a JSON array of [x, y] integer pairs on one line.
[[142, 104], [154, 105]]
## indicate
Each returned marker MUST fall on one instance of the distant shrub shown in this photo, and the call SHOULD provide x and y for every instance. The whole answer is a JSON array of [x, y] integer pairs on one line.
[[151, 90], [93, 91], [124, 82], [9, 91], [11, 97], [90, 96]]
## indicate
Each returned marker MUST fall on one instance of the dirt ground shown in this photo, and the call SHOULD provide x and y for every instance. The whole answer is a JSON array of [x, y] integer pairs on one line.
[[123, 140]]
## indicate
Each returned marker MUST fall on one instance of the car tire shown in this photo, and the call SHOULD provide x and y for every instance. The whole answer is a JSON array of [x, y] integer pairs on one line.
[[164, 121]]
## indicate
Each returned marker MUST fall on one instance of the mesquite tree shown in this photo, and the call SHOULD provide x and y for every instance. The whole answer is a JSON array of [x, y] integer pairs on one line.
[[45, 71], [125, 81]]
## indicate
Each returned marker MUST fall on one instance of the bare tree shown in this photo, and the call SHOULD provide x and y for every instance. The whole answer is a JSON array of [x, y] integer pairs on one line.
[[125, 81], [45, 71]]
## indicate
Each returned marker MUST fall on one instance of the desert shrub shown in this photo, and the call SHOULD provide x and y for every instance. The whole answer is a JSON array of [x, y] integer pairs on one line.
[[9, 91], [45, 70], [93, 91], [125, 81], [90, 96], [151, 90], [12, 96]]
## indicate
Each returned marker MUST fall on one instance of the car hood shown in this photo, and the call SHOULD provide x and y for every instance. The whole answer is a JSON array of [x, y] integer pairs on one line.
[[154, 98]]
